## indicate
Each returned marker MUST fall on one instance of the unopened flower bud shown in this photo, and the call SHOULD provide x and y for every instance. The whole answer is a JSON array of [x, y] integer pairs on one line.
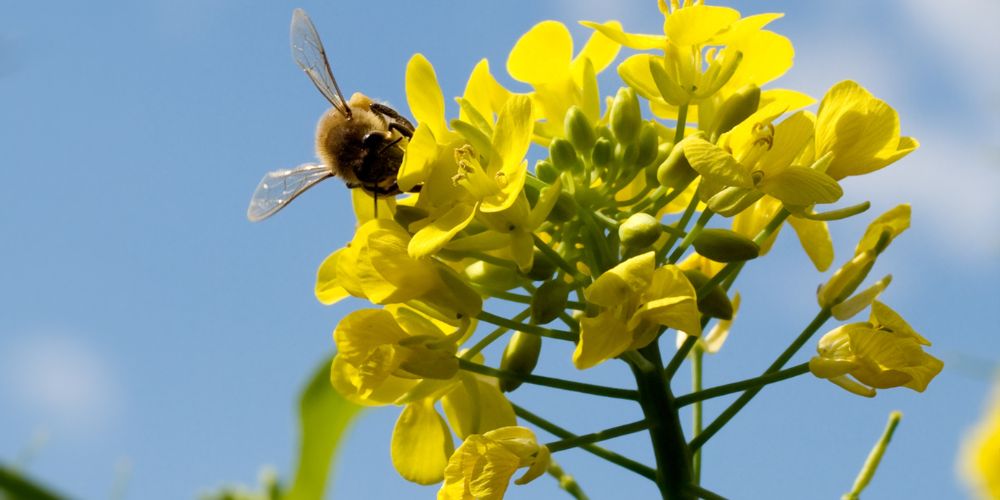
[[520, 357], [737, 108], [546, 172], [675, 172], [564, 157], [541, 267], [492, 276], [626, 118], [846, 280], [647, 145], [723, 245], [639, 231], [714, 302], [579, 130], [626, 155], [564, 209], [601, 154], [548, 301]]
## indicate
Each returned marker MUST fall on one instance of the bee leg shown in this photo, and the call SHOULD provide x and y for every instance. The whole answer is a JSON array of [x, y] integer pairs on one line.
[[391, 144], [397, 121], [353, 185]]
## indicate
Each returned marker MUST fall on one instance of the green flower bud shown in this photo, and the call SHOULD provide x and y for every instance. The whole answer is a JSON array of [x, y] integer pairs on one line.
[[715, 302], [541, 267], [520, 357], [564, 157], [406, 215], [456, 299], [492, 276], [626, 118], [648, 143], [579, 130], [737, 108], [545, 171], [626, 155], [662, 152], [548, 301], [639, 231], [600, 156], [564, 209], [675, 172], [723, 245]]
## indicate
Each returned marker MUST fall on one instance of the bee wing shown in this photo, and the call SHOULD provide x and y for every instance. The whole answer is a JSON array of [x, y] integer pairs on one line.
[[280, 187], [308, 52]]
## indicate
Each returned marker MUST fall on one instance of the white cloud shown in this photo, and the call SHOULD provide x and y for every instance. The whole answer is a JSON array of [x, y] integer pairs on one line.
[[60, 380]]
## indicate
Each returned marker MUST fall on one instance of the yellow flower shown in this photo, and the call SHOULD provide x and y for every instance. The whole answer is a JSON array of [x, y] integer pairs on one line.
[[757, 158], [399, 356], [709, 53], [860, 130], [543, 58], [376, 266], [981, 453], [635, 299], [882, 353], [481, 468]]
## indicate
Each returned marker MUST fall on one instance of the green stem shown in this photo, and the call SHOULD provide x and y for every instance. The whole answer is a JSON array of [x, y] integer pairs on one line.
[[742, 385], [681, 226], [556, 383], [647, 191], [673, 458], [696, 412], [874, 458], [595, 437], [602, 254], [700, 492], [18, 486], [566, 481], [494, 335], [556, 259], [625, 462], [779, 362], [682, 113], [526, 299], [526, 328], [678, 358]]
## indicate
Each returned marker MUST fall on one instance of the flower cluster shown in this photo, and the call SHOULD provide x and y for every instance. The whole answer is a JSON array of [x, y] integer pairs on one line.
[[606, 242]]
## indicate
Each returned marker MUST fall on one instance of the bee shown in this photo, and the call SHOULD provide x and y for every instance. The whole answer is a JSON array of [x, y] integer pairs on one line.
[[361, 141]]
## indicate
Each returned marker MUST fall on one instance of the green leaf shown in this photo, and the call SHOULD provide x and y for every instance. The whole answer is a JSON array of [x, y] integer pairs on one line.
[[15, 485], [324, 417]]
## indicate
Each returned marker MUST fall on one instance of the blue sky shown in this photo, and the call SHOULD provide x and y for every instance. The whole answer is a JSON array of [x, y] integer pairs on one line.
[[148, 331]]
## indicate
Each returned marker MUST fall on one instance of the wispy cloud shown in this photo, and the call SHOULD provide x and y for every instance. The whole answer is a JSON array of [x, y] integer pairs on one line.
[[61, 380]]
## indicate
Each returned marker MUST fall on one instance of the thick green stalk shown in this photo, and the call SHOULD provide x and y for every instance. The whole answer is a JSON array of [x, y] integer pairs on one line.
[[742, 385], [673, 457], [696, 414]]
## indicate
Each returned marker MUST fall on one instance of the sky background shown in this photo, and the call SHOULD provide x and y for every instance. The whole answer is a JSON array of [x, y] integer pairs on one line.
[[151, 337]]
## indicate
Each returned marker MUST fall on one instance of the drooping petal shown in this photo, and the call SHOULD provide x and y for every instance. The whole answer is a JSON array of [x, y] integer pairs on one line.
[[638, 41], [421, 153], [447, 223], [814, 236], [476, 406], [328, 289], [715, 164], [618, 283], [421, 443], [801, 186], [601, 338], [893, 222]]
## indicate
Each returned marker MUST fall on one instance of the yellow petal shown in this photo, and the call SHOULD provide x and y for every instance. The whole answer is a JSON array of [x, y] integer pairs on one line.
[[541, 55], [424, 94], [393, 276], [617, 284], [715, 164], [859, 301], [801, 186], [483, 91], [421, 153], [601, 338], [638, 41], [600, 49], [861, 130], [421, 443], [893, 222], [328, 289], [634, 71], [477, 406], [696, 24], [814, 236], [447, 223], [766, 56], [346, 379]]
